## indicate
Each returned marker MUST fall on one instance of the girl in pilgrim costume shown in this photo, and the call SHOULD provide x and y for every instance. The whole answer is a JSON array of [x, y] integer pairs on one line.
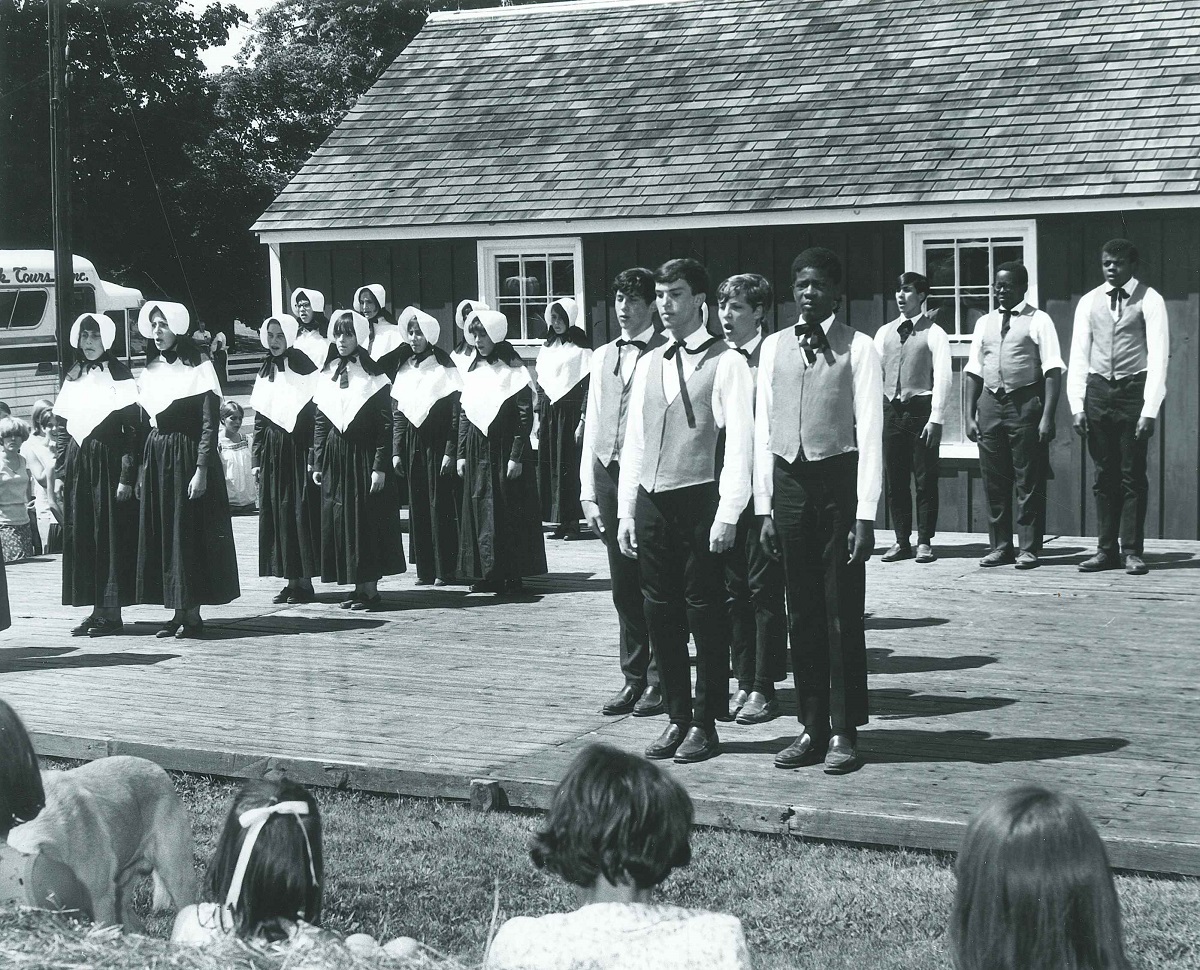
[[563, 368], [500, 537], [386, 343], [289, 518], [360, 520], [99, 432], [186, 557], [464, 352], [312, 338], [425, 446]]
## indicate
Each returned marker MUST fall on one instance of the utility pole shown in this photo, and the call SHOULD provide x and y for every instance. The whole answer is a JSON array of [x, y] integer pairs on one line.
[[60, 178]]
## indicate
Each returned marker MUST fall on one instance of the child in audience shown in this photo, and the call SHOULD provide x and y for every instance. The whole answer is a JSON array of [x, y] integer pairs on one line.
[[1035, 891], [235, 457], [29, 879], [617, 827], [16, 491], [38, 452], [265, 879]]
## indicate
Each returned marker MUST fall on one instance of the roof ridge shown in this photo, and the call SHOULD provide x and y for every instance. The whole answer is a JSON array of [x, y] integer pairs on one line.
[[556, 7]]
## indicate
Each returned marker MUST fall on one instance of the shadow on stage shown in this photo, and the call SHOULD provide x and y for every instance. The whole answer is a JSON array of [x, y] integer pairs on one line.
[[894, 704], [249, 627], [883, 660], [905, 746], [55, 658], [902, 622]]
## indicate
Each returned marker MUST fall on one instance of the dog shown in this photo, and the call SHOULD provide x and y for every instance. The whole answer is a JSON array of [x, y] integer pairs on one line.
[[112, 821]]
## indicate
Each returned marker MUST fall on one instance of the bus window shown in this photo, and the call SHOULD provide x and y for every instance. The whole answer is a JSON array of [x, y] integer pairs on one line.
[[22, 308], [119, 324], [85, 301]]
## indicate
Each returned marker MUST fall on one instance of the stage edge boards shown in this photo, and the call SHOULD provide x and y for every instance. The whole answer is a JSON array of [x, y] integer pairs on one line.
[[877, 830]]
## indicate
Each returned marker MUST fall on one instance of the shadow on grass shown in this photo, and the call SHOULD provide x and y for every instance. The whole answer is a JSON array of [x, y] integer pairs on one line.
[[883, 660], [55, 658], [978, 747]]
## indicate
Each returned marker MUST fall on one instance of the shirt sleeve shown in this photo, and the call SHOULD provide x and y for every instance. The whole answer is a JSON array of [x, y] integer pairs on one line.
[[587, 481], [1046, 337], [868, 423], [943, 373], [975, 357], [733, 410], [1081, 353], [1158, 347], [764, 460], [633, 447]]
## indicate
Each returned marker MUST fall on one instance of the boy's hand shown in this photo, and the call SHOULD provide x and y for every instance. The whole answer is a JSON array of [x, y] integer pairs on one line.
[[767, 537], [397, 465], [721, 536], [862, 541], [971, 427], [931, 435], [1046, 430], [627, 538], [376, 482], [579, 433], [1144, 429], [1079, 421], [591, 512]]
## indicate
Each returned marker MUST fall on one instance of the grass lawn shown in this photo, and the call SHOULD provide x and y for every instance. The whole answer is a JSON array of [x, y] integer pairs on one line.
[[428, 869]]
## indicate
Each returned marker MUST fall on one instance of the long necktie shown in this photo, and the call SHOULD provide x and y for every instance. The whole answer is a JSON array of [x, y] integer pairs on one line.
[[1006, 315], [673, 351]]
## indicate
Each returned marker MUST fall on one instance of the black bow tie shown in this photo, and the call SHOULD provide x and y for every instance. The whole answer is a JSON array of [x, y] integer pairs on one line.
[[622, 342], [86, 365], [272, 365], [741, 350], [813, 340], [906, 330], [1116, 295], [170, 356], [671, 351], [340, 374]]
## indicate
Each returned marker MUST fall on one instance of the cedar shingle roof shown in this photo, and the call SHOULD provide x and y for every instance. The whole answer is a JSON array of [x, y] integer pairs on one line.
[[759, 106]]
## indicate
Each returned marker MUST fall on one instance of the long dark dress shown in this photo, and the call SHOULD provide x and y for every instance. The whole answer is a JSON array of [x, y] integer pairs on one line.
[[186, 557], [558, 455], [100, 534], [360, 530], [289, 516], [432, 493], [500, 532]]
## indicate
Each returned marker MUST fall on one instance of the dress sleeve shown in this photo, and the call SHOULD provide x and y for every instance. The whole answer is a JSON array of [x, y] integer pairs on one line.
[[524, 402], [256, 445], [462, 423], [400, 426], [61, 439], [383, 434], [206, 453], [321, 426], [132, 441], [452, 428]]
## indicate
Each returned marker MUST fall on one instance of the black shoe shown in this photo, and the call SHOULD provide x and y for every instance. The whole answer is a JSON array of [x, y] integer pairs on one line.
[[622, 702], [512, 587], [1027, 560], [651, 703], [1099, 562], [85, 626], [667, 744], [368, 604], [301, 594], [998, 557], [1135, 565], [901, 550], [758, 709], [925, 553], [805, 750], [348, 603], [102, 627], [423, 582], [282, 595], [448, 581], [485, 586], [168, 629], [698, 745], [736, 703], [190, 631], [842, 755]]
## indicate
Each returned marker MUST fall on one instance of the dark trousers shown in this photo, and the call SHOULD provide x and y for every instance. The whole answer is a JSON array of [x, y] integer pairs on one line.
[[1011, 454], [758, 623], [1121, 488], [815, 507], [684, 587], [906, 457], [636, 663]]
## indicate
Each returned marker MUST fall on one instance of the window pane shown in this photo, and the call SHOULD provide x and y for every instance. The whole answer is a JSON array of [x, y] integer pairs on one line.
[[941, 311], [974, 307], [508, 275], [939, 267], [973, 269], [22, 308], [85, 300], [1008, 253], [563, 277], [536, 280], [513, 312]]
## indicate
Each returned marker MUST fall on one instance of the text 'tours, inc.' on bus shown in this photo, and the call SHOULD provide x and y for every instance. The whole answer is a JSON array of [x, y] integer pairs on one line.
[[28, 351]]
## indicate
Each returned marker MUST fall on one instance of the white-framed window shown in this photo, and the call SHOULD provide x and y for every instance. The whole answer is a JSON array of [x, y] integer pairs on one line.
[[521, 277], [960, 260]]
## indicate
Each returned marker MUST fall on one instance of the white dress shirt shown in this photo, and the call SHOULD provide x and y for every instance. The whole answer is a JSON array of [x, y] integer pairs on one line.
[[1154, 309], [1041, 332], [943, 369], [600, 364], [733, 410], [750, 345], [867, 373]]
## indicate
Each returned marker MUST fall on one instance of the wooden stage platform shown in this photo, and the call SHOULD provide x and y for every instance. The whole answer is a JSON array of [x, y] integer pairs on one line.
[[980, 679]]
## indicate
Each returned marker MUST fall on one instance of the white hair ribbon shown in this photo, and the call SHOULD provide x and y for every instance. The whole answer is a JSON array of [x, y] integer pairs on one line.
[[254, 819]]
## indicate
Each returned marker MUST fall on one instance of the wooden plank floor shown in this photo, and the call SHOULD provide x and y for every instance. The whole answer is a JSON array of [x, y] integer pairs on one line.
[[979, 679]]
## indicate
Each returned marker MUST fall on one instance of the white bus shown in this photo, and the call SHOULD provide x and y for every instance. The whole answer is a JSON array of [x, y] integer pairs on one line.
[[28, 351]]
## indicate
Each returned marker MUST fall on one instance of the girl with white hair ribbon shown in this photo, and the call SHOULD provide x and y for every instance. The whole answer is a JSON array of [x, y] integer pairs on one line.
[[385, 342], [563, 371], [425, 398], [308, 307], [289, 510], [98, 435], [186, 556], [500, 532], [352, 449]]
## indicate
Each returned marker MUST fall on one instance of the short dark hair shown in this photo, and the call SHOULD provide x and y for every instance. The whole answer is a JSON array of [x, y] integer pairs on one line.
[[278, 887], [1017, 269], [691, 271], [343, 323], [232, 408], [754, 288], [615, 815], [917, 281], [21, 792], [637, 281], [1120, 247], [819, 258], [1035, 891]]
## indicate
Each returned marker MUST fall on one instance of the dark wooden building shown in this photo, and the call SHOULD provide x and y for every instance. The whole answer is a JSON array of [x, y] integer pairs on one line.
[[525, 153]]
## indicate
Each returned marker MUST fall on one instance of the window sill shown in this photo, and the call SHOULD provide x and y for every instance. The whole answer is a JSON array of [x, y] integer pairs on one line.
[[962, 450]]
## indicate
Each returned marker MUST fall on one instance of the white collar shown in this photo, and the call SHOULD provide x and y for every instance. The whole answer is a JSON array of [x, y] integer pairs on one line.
[[750, 345], [644, 337], [1016, 311], [695, 338], [282, 399], [1128, 286], [84, 403]]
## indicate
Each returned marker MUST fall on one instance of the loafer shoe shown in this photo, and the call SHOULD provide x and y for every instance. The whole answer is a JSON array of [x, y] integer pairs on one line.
[[759, 709], [282, 595], [803, 751], [651, 703], [168, 629], [1099, 563], [1135, 565], [925, 553], [302, 594], [667, 744], [1027, 560], [841, 756], [84, 627], [102, 627], [367, 604], [698, 745], [998, 557], [737, 702], [622, 702], [901, 550]]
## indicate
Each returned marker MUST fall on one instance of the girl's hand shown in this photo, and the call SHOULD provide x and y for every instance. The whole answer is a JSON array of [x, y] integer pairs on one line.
[[376, 482], [198, 485], [446, 466], [579, 433], [316, 478], [462, 467], [257, 475], [398, 465], [59, 488], [124, 492], [514, 470], [137, 489]]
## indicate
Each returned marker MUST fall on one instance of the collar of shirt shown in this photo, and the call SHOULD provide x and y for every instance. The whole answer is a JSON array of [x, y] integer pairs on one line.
[[913, 320], [827, 322], [1128, 286], [643, 337], [1016, 311], [750, 345], [695, 338]]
